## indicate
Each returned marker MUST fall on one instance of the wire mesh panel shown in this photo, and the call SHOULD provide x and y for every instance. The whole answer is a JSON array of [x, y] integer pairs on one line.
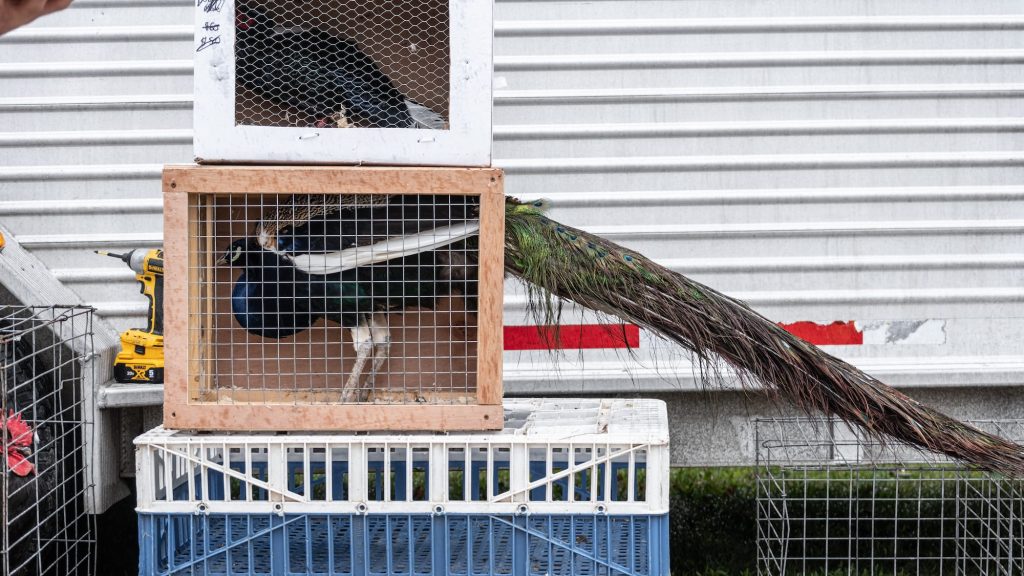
[[411, 79], [340, 64], [832, 500], [368, 298], [401, 327], [45, 488]]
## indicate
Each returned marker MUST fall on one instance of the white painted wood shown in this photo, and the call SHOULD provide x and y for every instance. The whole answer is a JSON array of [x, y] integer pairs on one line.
[[467, 141]]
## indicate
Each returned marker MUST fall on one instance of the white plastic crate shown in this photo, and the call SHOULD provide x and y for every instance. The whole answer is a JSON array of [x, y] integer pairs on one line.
[[404, 82], [552, 457], [568, 487]]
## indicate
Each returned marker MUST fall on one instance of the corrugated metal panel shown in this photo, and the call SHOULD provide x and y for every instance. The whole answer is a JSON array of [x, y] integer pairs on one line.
[[824, 159]]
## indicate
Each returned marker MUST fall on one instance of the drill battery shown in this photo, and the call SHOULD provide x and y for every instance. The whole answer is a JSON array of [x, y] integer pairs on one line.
[[141, 359]]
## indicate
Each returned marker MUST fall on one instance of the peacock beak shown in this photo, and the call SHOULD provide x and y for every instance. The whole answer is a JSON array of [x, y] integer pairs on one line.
[[222, 261]]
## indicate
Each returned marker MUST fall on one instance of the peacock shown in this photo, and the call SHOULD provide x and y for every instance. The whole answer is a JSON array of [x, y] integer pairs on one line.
[[349, 260], [562, 264], [325, 76]]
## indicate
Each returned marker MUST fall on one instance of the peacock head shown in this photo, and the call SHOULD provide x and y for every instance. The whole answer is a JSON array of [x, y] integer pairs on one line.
[[238, 252]]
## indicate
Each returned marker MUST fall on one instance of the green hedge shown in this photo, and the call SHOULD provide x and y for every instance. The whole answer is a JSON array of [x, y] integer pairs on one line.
[[712, 528]]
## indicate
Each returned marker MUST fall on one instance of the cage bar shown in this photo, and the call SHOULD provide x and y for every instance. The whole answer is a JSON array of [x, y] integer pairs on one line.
[[333, 298]]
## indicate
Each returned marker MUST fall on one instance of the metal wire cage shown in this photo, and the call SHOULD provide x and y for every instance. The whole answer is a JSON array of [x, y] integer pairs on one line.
[[47, 527], [832, 500], [358, 297]]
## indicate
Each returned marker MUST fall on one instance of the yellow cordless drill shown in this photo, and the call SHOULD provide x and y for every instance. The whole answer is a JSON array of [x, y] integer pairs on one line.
[[141, 360]]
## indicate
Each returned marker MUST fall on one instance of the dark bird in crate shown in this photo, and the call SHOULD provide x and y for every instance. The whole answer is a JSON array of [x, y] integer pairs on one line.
[[350, 263], [562, 264], [270, 298], [33, 433], [323, 75]]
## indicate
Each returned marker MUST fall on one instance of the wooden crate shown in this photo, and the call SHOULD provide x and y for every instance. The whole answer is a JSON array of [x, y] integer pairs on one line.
[[443, 370], [274, 82]]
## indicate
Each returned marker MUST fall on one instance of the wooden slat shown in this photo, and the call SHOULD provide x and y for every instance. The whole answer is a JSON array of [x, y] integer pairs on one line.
[[491, 289], [328, 179], [193, 289], [176, 321], [327, 417]]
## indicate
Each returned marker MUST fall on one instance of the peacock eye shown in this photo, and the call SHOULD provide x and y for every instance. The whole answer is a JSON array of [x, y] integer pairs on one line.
[[236, 254]]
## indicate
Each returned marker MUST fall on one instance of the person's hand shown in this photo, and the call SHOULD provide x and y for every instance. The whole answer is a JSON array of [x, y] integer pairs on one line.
[[15, 13]]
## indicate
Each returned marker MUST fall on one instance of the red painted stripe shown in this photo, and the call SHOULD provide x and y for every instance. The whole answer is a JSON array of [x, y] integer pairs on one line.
[[593, 336], [834, 334], [572, 336]]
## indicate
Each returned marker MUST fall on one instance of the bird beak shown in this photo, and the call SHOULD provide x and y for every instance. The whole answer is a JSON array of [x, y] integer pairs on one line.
[[222, 261]]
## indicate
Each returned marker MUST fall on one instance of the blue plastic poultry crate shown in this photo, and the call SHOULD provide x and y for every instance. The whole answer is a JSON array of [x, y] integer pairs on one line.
[[410, 544]]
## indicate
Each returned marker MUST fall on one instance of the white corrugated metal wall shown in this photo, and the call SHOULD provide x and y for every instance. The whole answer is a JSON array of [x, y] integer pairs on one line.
[[823, 159]]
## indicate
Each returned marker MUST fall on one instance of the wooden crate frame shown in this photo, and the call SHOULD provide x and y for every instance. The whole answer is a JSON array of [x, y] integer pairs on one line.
[[182, 407], [466, 142]]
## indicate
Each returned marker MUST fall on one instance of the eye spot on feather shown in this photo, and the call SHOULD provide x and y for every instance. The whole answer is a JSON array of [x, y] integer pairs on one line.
[[539, 205]]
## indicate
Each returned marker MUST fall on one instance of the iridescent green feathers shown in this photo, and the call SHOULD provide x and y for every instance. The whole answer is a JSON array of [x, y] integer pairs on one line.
[[560, 263]]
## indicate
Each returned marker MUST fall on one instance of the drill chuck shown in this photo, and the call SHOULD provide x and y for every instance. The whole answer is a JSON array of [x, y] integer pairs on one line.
[[135, 259]]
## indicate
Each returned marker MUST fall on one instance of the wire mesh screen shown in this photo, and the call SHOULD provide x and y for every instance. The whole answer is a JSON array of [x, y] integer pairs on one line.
[[331, 298], [46, 492], [832, 500], [342, 63]]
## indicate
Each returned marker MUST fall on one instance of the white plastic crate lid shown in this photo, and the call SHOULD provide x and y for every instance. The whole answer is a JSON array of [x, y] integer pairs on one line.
[[527, 419]]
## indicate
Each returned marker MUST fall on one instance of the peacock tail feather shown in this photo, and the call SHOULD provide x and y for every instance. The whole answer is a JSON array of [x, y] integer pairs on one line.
[[560, 263]]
